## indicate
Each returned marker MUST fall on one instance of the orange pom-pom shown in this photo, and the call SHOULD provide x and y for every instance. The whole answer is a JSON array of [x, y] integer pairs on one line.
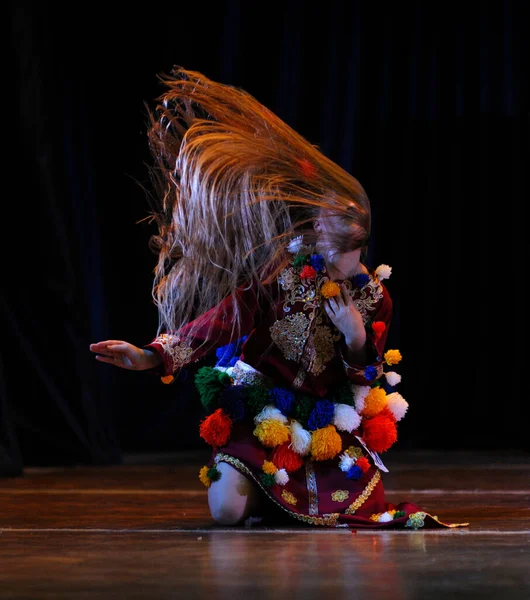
[[378, 327], [286, 458], [379, 433], [374, 402], [215, 429], [363, 463], [167, 379], [330, 289], [326, 443]]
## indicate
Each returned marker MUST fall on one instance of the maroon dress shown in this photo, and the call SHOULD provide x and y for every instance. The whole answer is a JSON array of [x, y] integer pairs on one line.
[[289, 411]]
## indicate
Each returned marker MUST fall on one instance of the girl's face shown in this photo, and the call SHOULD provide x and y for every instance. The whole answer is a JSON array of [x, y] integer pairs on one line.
[[335, 234]]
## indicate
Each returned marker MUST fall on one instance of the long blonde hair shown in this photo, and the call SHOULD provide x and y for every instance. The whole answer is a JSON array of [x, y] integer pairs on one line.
[[233, 185]]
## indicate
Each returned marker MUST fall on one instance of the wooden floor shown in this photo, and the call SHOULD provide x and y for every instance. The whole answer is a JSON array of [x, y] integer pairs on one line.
[[143, 531]]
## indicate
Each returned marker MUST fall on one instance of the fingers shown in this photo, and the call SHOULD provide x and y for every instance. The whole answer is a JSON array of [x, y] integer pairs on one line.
[[102, 346]]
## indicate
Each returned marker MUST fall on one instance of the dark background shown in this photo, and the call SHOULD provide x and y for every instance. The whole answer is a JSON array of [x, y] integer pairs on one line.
[[426, 103]]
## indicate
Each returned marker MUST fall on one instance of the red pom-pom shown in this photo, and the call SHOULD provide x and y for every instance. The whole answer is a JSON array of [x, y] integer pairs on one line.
[[379, 432], [215, 429], [308, 272], [286, 458], [378, 327], [308, 168], [363, 463]]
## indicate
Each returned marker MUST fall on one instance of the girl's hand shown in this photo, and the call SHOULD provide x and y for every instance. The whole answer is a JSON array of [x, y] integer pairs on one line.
[[347, 319], [125, 355]]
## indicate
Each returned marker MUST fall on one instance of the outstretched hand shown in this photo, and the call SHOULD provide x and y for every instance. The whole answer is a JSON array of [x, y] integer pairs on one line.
[[124, 355], [347, 319]]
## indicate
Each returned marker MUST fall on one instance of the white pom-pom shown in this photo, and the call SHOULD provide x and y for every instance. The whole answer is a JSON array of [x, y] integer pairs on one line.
[[393, 378], [270, 412], [359, 394], [345, 418], [383, 271], [281, 477], [397, 405], [385, 517], [295, 245], [346, 462], [300, 439]]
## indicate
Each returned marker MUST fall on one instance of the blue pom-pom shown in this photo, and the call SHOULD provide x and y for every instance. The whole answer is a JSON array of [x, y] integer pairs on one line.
[[316, 261], [370, 373], [228, 355], [321, 415], [354, 472], [283, 400], [232, 401], [361, 279]]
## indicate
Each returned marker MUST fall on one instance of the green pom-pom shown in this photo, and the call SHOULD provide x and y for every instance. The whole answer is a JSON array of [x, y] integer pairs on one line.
[[399, 513], [300, 260], [304, 406], [267, 479], [376, 383], [345, 395], [213, 473], [209, 385], [258, 398]]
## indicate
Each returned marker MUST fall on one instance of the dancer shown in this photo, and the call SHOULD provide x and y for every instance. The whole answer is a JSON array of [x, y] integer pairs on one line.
[[261, 260]]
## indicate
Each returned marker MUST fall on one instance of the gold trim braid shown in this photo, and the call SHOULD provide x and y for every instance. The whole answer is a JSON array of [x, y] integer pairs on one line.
[[362, 498]]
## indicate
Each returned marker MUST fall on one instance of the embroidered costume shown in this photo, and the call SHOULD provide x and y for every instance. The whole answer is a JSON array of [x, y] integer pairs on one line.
[[285, 407]]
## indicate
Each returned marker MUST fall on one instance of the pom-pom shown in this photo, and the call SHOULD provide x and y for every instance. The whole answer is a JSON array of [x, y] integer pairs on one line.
[[379, 432], [374, 402], [359, 394], [345, 418], [307, 168], [267, 480], [296, 244], [354, 472], [281, 477], [209, 383], [303, 408], [392, 357], [258, 397], [285, 457], [213, 473], [317, 261], [363, 463], [378, 328], [283, 399], [361, 279], [397, 405], [385, 517], [269, 467], [399, 513], [167, 379], [232, 401], [345, 395], [392, 378], [308, 272], [225, 354], [383, 271], [370, 373], [300, 439], [300, 261], [330, 289], [271, 433], [326, 443], [270, 413], [321, 415], [346, 462], [203, 476], [215, 428]]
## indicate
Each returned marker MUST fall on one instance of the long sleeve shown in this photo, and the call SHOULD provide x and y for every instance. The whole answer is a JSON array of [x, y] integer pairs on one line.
[[201, 336]]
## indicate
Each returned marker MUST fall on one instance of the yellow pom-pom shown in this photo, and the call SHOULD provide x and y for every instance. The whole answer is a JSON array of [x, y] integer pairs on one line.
[[203, 476], [374, 402], [269, 467], [392, 357], [167, 379], [330, 289], [272, 433], [326, 443]]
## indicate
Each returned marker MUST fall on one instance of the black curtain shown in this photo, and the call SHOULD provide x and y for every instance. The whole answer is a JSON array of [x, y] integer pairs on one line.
[[425, 103]]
